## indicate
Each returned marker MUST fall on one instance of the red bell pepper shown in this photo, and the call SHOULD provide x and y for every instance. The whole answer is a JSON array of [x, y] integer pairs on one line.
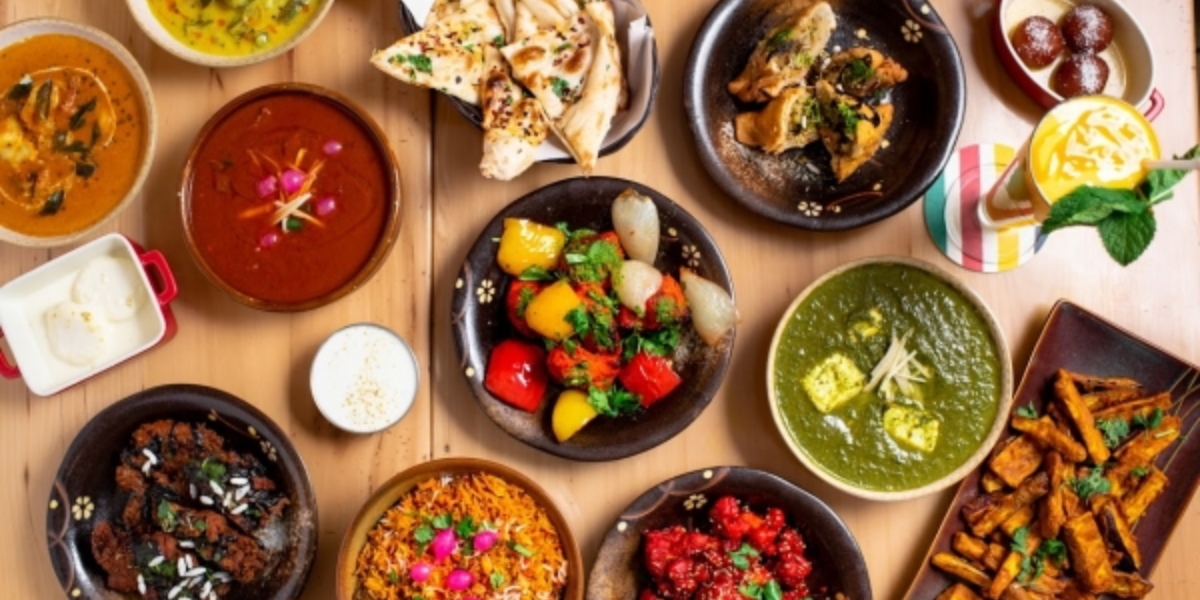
[[516, 374], [520, 293], [650, 377]]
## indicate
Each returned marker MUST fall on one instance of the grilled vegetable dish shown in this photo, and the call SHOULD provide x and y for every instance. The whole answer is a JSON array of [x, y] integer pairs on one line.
[[1063, 496], [194, 510]]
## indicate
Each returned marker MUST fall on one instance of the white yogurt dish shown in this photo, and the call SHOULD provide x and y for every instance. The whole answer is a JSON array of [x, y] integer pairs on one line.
[[84, 312], [364, 378]]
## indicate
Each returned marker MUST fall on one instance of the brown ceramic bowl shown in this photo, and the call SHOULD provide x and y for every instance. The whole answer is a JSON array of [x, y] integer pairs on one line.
[[1078, 340], [1130, 57], [396, 487], [913, 304], [85, 490], [798, 187], [838, 563], [235, 180], [480, 321]]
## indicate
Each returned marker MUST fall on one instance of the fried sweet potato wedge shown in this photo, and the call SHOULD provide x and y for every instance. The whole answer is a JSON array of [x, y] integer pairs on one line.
[[959, 567], [1011, 567], [958, 591], [990, 482], [1103, 399], [1135, 503], [1044, 432], [1142, 407], [1051, 514], [1091, 383], [977, 550], [1120, 537], [1089, 554], [1130, 585], [1019, 458], [1141, 450], [997, 511], [1081, 417]]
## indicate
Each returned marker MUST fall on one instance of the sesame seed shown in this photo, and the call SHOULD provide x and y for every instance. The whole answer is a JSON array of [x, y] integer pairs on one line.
[[197, 572], [205, 500], [146, 468], [241, 493], [174, 592], [239, 481], [190, 563], [181, 566], [241, 508], [192, 489], [204, 591], [216, 488], [141, 585], [157, 560], [150, 456], [187, 544]]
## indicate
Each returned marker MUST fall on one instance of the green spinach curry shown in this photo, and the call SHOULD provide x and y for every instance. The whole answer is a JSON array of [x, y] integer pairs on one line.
[[887, 377]]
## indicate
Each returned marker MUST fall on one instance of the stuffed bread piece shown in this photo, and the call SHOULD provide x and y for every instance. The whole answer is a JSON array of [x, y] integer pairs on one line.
[[513, 123], [784, 57], [448, 54], [789, 121], [851, 129], [585, 123]]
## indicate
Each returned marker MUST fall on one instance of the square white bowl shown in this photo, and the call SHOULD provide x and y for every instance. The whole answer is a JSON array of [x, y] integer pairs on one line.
[[25, 300]]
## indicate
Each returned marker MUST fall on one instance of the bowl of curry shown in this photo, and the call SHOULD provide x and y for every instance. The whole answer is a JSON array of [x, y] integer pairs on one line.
[[228, 33], [889, 378], [290, 197], [77, 131]]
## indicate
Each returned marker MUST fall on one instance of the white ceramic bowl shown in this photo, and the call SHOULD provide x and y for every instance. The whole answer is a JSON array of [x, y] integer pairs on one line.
[[24, 30], [157, 32], [26, 300], [364, 378], [1130, 56]]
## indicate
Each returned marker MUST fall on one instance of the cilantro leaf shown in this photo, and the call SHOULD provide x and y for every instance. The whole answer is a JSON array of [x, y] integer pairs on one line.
[[423, 534], [522, 550], [751, 590], [466, 527], [535, 274], [1093, 484], [779, 40], [1019, 538], [496, 579], [1027, 411], [1114, 430], [741, 557], [614, 402], [442, 522], [772, 591], [1150, 422], [1127, 235], [212, 469], [1140, 471], [166, 516], [561, 87]]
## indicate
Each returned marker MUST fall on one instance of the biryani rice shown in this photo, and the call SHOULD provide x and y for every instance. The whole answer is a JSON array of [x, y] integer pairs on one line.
[[526, 562]]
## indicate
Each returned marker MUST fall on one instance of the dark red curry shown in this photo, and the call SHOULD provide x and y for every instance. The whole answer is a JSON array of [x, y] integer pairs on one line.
[[289, 197]]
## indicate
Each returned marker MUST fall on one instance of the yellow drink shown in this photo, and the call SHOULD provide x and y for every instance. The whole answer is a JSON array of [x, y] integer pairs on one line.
[[1093, 140]]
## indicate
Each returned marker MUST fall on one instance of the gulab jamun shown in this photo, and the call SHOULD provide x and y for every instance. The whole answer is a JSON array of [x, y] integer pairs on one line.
[[1080, 75], [1087, 29], [1037, 41]]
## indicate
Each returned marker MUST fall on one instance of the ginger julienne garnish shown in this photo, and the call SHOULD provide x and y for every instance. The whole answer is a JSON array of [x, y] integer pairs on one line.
[[288, 190]]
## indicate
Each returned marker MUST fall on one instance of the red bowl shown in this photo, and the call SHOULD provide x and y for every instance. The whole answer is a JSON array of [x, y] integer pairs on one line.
[[1130, 58]]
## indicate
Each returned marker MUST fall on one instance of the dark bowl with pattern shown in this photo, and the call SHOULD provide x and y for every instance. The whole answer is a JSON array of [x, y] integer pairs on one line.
[[838, 564], [85, 491], [798, 187], [480, 321], [642, 92]]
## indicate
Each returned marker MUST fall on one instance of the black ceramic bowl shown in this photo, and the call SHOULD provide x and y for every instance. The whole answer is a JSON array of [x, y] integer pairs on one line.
[[838, 563], [647, 88], [480, 323], [85, 491], [798, 186]]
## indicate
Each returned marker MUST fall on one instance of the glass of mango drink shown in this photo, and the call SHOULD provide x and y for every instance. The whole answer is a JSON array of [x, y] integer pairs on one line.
[[1098, 141]]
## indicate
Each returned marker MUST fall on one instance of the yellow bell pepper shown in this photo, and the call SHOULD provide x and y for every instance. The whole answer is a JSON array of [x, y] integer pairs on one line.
[[527, 244], [571, 412], [547, 312]]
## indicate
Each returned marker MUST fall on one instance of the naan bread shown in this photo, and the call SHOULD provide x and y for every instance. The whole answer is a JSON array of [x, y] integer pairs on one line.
[[585, 123], [513, 123], [552, 63], [448, 54], [783, 58]]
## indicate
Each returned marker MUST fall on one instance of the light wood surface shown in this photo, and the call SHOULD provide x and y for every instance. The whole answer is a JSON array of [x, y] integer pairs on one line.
[[264, 358]]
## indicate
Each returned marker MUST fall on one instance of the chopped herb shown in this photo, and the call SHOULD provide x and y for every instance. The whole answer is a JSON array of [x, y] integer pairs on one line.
[[291, 10], [561, 87], [423, 534], [812, 112], [1152, 422], [751, 590], [857, 71], [1033, 566], [1140, 471], [660, 342], [1093, 484], [772, 591], [562, 48], [393, 577], [200, 525], [498, 41], [849, 119], [466, 527], [469, 47], [664, 311], [212, 469], [1027, 411], [442, 522], [166, 516], [741, 557], [802, 60], [1019, 538], [1114, 430], [536, 274], [53, 203], [522, 550], [614, 402], [77, 119], [496, 579], [293, 224], [779, 40], [524, 297], [164, 569], [21, 90], [42, 101], [579, 320]]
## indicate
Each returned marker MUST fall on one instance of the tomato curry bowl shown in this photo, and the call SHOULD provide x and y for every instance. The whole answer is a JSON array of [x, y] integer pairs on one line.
[[291, 198]]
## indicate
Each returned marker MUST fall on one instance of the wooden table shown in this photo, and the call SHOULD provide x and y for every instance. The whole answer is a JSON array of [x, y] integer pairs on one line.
[[264, 358]]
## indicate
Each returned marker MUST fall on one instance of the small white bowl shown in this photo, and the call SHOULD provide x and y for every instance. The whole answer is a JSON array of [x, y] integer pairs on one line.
[[24, 30], [157, 32], [364, 378], [25, 301]]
